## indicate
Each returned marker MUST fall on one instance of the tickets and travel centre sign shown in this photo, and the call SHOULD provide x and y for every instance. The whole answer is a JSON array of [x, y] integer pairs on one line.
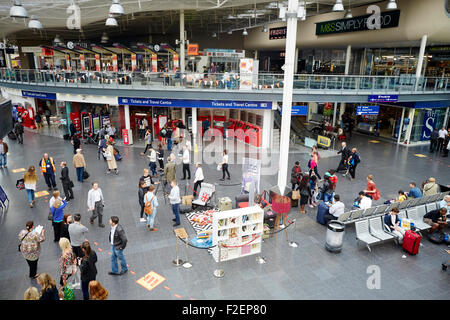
[[387, 20], [182, 103], [39, 95], [367, 110]]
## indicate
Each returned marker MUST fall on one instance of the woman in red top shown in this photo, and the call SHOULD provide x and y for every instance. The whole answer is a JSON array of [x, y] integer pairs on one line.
[[371, 188]]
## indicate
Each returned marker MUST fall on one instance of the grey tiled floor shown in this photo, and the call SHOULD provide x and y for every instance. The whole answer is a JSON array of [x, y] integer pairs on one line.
[[306, 272]]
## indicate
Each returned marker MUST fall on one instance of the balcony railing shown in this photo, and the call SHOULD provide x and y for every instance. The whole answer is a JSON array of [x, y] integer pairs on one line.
[[225, 81]]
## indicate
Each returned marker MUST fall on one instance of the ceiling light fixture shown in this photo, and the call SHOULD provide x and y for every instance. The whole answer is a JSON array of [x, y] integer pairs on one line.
[[338, 6], [245, 33], [348, 14], [392, 5], [111, 21], [214, 35], [34, 23], [57, 40], [116, 8], [17, 11], [230, 31]]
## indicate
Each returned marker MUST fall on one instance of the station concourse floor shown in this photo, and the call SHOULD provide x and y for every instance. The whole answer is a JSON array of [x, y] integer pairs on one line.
[[305, 272]]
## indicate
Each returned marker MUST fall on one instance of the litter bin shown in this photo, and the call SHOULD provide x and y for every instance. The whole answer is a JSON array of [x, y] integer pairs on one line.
[[335, 236]]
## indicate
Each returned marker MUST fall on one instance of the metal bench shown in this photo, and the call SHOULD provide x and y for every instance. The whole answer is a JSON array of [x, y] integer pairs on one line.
[[363, 234]]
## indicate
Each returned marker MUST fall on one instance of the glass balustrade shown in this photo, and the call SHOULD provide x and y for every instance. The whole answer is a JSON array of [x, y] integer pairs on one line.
[[224, 81]]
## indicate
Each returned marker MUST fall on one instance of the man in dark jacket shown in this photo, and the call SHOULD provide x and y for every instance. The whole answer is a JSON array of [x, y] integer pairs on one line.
[[76, 143], [66, 182], [436, 219], [434, 139], [118, 241], [345, 154], [18, 130]]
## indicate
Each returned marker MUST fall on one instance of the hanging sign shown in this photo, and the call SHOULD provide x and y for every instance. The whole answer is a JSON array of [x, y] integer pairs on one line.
[[277, 33], [383, 98], [114, 60], [154, 63], [176, 62], [97, 62], [133, 62], [82, 63], [367, 110], [192, 50], [68, 62]]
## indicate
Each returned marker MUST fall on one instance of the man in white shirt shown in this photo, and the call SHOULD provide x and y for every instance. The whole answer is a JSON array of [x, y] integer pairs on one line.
[[445, 203], [364, 202], [95, 203], [198, 177], [175, 201], [151, 197], [186, 160], [336, 209], [442, 134], [152, 157]]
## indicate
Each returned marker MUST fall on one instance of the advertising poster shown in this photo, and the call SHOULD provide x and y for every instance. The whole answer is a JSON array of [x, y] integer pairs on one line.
[[154, 63], [176, 62], [246, 70], [133, 62], [68, 62], [82, 63], [114, 60], [429, 122], [97, 62], [251, 174]]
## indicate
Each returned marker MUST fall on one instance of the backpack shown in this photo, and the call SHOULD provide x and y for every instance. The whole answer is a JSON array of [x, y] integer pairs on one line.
[[148, 207], [436, 237], [163, 133]]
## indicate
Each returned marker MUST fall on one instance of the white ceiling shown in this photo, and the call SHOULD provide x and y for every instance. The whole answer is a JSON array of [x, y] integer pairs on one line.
[[52, 13]]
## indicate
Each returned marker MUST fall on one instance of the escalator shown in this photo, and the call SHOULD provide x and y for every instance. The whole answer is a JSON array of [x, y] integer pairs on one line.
[[298, 128]]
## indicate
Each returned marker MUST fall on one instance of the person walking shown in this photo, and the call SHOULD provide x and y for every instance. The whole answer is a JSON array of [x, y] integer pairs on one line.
[[345, 154], [95, 203], [30, 179], [175, 201], [76, 143], [141, 194], [148, 140], [434, 142], [30, 247], [66, 182], [141, 129], [110, 159], [18, 130], [88, 270], [198, 178], [169, 138], [353, 161], [151, 198], [152, 163], [57, 211], [160, 155], [79, 164], [3, 154], [225, 165], [97, 291], [47, 114], [102, 145], [186, 161], [38, 121], [442, 134], [371, 189], [315, 158], [170, 171], [48, 170], [77, 234], [48, 287], [67, 261], [118, 241], [305, 192]]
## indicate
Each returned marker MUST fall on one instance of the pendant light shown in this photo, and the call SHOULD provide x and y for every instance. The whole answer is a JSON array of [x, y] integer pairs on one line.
[[111, 21], [338, 6], [57, 40], [348, 14], [245, 33], [392, 5], [34, 23], [17, 11], [116, 8], [264, 29], [214, 35], [230, 31]]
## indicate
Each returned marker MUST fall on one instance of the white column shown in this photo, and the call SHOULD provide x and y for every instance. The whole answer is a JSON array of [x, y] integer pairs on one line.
[[127, 122], [267, 128], [423, 44], [400, 129], [183, 115], [291, 39], [446, 117], [256, 54], [410, 125], [296, 61], [312, 108], [347, 59], [182, 40], [334, 114], [194, 129]]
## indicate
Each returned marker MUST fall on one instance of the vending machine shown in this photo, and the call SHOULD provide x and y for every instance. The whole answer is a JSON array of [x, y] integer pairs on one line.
[[86, 124], [75, 119], [219, 122]]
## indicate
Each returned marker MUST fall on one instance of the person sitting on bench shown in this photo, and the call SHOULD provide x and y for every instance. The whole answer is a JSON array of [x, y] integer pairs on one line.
[[436, 219], [336, 209], [393, 222]]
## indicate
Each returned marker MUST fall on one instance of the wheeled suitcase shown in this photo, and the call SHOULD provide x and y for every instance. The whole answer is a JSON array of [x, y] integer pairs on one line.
[[322, 210], [411, 242], [225, 204], [12, 135]]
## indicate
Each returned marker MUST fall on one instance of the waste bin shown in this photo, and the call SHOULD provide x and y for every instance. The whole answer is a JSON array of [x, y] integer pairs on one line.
[[335, 236]]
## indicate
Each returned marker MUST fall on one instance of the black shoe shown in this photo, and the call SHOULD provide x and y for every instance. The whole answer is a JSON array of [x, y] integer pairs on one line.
[[91, 221], [71, 198], [123, 272], [174, 220], [114, 274], [222, 179], [176, 224], [101, 225], [229, 178]]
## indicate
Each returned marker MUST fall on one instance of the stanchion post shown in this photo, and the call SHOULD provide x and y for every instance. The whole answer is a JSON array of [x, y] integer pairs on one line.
[[219, 273], [293, 244], [186, 263], [177, 262]]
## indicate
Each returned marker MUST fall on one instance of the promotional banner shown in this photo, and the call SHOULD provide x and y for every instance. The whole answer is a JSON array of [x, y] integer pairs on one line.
[[133, 62], [251, 169], [192, 49], [82, 63], [429, 122], [68, 62], [114, 60], [246, 70], [97, 62], [154, 63], [176, 62]]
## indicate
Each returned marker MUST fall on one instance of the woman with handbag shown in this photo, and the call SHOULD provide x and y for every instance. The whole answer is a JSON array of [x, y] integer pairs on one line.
[[296, 174], [371, 188], [151, 201], [87, 268], [30, 246], [110, 159], [30, 180], [67, 261]]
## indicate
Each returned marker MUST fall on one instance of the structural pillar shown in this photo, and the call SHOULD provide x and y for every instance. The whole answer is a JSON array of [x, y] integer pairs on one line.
[[194, 129], [400, 126], [347, 59], [182, 41], [296, 61], [334, 114], [291, 17], [446, 118], [423, 44], [267, 129], [410, 125], [126, 112]]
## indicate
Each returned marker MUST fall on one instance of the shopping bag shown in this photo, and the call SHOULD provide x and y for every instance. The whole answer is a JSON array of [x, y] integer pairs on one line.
[[76, 279], [295, 195], [187, 200], [20, 184], [68, 292], [219, 167], [85, 174]]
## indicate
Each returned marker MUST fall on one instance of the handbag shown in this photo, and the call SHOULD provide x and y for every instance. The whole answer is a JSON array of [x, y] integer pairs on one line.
[[76, 279], [71, 184], [295, 195], [20, 184], [22, 240], [85, 174], [68, 292], [219, 167], [50, 216]]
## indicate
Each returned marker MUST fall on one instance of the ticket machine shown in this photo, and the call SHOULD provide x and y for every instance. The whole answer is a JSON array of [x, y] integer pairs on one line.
[[86, 124], [219, 123], [255, 136]]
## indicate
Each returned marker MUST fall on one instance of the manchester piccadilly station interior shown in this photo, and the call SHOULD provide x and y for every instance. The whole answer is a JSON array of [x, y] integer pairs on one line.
[[224, 158]]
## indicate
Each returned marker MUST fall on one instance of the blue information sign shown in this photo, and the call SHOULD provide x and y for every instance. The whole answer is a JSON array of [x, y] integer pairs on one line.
[[39, 95], [182, 103], [367, 110], [429, 122], [298, 110], [383, 98]]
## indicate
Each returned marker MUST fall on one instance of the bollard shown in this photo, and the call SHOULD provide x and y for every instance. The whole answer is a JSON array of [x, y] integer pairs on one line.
[[177, 262], [219, 273]]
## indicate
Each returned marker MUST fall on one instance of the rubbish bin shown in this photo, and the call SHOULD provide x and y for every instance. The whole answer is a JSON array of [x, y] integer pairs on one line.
[[335, 236]]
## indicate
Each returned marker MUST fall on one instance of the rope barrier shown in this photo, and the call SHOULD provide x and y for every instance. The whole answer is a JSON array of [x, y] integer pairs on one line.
[[192, 189], [195, 246], [283, 228]]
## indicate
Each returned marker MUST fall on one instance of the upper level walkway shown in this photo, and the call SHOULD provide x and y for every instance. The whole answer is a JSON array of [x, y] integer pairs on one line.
[[263, 86]]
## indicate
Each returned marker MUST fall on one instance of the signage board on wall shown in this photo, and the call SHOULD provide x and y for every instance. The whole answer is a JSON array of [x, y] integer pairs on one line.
[[182, 103], [277, 33], [192, 49], [383, 98], [388, 19], [39, 95], [367, 110], [429, 122], [298, 110]]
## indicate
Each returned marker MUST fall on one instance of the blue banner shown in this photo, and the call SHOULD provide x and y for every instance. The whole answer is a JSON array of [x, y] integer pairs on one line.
[[181, 103], [367, 110], [39, 95], [383, 98], [429, 122], [298, 110]]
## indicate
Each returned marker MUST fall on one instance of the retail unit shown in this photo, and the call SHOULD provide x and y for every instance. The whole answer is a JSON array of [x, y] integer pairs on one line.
[[240, 230]]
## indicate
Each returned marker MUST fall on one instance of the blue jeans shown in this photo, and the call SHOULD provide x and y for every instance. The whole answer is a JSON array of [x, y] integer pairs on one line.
[[327, 197], [153, 167], [116, 253], [176, 212], [169, 144], [2, 159], [80, 172], [151, 218], [30, 194]]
